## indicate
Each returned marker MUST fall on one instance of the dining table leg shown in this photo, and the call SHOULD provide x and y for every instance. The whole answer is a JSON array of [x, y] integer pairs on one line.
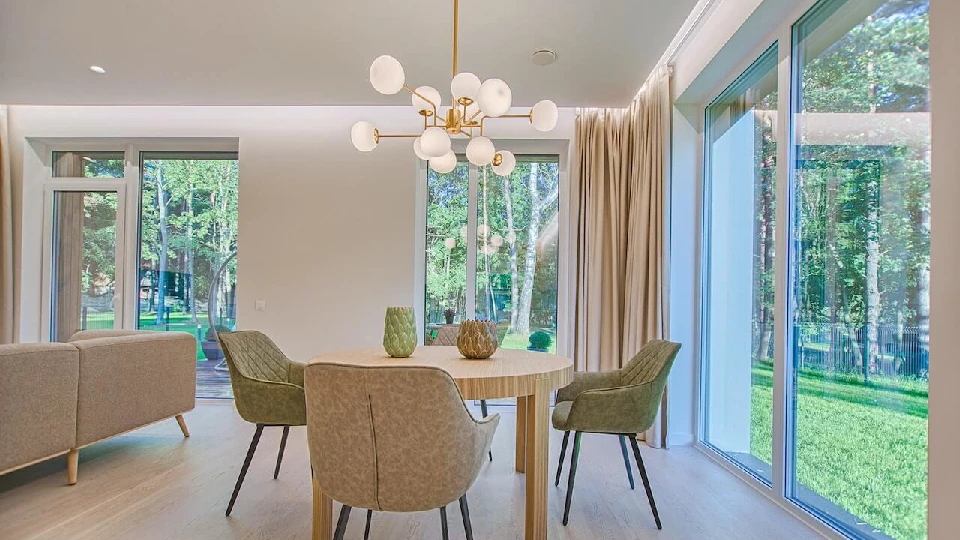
[[521, 458], [537, 449], [322, 514]]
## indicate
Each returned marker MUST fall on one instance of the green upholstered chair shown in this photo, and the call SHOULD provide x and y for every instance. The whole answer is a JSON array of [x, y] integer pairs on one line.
[[267, 390], [620, 402]]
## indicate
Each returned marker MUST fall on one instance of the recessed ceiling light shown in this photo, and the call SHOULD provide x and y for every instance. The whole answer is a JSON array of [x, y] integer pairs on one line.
[[98, 69], [544, 57]]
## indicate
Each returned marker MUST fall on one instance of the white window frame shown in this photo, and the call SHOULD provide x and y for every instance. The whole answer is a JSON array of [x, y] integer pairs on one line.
[[544, 147], [128, 209]]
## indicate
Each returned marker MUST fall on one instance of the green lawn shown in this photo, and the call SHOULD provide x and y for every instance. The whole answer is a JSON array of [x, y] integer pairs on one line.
[[179, 322], [862, 447]]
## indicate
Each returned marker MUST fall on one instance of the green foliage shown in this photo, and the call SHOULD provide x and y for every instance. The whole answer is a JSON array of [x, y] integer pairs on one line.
[[212, 332], [540, 340]]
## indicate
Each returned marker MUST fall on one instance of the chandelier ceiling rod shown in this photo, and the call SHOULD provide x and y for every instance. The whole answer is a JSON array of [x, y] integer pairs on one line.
[[456, 33]]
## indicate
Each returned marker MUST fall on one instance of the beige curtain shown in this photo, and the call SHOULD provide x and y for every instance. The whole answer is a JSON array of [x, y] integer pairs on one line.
[[620, 300], [6, 234]]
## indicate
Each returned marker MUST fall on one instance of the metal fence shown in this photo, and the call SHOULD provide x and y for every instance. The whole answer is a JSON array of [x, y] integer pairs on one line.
[[899, 350]]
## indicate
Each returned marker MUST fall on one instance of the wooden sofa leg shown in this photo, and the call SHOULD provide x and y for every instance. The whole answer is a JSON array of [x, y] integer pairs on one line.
[[183, 425], [73, 458]]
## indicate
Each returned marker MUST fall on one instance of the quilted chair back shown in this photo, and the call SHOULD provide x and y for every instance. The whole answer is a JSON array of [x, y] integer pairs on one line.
[[253, 355], [653, 361], [397, 439]]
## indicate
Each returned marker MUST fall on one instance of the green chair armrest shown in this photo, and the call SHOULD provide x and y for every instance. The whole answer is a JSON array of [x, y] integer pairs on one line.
[[589, 380], [270, 402], [295, 373], [625, 409]]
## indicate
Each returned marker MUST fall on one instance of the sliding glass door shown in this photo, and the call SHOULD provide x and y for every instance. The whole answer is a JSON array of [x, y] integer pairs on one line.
[[829, 406], [861, 256], [492, 251], [188, 241], [738, 296]]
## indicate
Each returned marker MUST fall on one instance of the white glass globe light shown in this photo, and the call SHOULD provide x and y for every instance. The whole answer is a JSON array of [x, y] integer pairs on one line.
[[494, 97], [386, 75], [419, 151], [483, 230], [544, 115], [496, 240], [511, 237], [364, 136], [489, 250], [434, 142], [431, 94], [445, 163], [508, 162], [480, 151], [450, 243], [465, 85]]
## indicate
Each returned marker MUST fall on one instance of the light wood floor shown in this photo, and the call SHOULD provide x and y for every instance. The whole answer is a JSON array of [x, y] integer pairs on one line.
[[153, 484]]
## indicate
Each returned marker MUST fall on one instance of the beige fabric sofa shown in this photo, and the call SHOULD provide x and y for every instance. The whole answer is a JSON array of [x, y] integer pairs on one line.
[[56, 398]]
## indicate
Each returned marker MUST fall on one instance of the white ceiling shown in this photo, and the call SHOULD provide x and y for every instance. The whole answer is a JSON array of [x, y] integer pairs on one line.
[[318, 52]]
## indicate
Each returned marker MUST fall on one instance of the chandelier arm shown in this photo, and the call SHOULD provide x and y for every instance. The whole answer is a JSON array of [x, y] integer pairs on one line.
[[398, 136], [419, 95], [528, 115]]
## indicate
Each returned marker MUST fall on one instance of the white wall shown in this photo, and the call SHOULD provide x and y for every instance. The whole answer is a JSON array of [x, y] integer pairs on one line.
[[326, 233]]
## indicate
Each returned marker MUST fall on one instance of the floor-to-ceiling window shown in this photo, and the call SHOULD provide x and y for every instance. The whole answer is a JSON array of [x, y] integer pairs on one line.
[[859, 292], [738, 267], [188, 239], [830, 408], [500, 235]]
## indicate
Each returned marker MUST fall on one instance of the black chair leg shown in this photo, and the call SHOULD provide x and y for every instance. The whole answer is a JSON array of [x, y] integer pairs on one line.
[[563, 452], [246, 465], [646, 481], [465, 512], [366, 528], [342, 523], [483, 411], [443, 523], [626, 459], [574, 456], [283, 444]]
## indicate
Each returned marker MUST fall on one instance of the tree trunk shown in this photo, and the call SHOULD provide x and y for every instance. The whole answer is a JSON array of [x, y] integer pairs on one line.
[[530, 258], [189, 256], [872, 293], [766, 264], [162, 263], [512, 241]]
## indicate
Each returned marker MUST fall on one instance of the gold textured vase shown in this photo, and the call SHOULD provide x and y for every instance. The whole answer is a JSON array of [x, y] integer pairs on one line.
[[399, 332], [477, 339]]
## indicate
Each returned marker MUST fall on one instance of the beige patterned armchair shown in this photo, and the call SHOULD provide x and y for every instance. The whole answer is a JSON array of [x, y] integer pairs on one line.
[[398, 439]]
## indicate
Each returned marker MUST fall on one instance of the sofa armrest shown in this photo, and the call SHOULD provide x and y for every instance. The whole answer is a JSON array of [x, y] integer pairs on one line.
[[131, 380], [38, 401]]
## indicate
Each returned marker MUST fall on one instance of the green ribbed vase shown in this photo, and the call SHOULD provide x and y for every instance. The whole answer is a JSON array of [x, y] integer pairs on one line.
[[399, 332]]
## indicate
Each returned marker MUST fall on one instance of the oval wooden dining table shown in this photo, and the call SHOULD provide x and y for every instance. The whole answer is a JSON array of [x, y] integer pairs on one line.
[[528, 376]]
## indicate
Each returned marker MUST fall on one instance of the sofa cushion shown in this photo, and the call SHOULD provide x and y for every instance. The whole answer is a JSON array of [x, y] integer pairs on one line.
[[132, 380]]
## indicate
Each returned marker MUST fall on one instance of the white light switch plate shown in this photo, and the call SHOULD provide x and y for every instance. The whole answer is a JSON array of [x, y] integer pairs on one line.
[[260, 305]]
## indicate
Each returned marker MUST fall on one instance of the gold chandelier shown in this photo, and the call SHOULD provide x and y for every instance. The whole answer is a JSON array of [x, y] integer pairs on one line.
[[473, 103]]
